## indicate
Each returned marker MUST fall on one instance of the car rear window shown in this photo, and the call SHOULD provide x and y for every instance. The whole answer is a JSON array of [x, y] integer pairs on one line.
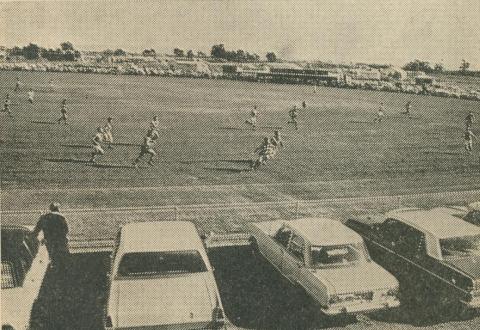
[[338, 255], [460, 246], [161, 263]]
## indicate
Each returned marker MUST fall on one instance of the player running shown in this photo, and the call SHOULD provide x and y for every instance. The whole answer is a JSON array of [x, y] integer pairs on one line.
[[107, 136], [63, 111], [147, 148], [6, 106], [265, 152], [293, 113], [380, 114], [17, 85], [154, 123], [97, 144], [253, 118], [277, 142], [31, 95], [469, 120], [408, 107], [468, 137]]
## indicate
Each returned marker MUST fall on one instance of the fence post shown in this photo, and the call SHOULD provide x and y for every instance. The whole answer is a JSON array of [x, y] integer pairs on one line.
[[296, 210], [176, 212], [399, 202]]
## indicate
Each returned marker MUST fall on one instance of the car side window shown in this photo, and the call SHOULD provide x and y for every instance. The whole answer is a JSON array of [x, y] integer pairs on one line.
[[283, 236], [405, 239], [297, 247]]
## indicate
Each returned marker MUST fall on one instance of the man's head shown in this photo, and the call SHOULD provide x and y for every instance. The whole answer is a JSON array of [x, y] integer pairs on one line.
[[155, 117], [64, 101], [109, 119], [54, 207]]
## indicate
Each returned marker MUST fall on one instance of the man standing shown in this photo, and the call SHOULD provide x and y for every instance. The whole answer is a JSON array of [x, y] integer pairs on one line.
[[253, 117], [468, 137], [147, 148], [408, 106], [63, 111], [55, 230], [380, 114]]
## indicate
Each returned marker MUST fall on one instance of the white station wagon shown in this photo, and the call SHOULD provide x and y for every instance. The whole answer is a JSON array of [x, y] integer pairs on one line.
[[24, 264], [161, 278], [329, 261]]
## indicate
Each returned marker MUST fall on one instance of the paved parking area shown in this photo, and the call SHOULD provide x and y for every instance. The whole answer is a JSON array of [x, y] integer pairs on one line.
[[254, 295]]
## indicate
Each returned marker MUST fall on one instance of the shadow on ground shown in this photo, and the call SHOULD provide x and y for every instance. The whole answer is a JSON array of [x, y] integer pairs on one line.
[[253, 293]]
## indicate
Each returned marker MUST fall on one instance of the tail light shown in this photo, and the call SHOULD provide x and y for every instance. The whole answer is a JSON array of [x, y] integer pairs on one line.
[[108, 322], [218, 318]]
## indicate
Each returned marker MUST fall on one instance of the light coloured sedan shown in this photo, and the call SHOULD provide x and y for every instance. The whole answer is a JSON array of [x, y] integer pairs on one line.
[[161, 278], [24, 264], [328, 261]]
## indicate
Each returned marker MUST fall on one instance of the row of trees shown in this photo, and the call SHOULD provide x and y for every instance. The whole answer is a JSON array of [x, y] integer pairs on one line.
[[32, 51], [219, 52], [426, 67]]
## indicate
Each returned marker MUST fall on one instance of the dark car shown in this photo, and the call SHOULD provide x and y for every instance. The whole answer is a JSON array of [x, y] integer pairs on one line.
[[429, 248]]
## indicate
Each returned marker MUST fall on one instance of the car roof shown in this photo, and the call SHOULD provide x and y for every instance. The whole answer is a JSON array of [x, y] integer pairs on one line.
[[324, 231], [156, 236], [435, 222]]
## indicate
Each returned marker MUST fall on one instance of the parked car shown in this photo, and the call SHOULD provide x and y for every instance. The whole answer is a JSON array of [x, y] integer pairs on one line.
[[328, 261], [24, 264], [161, 278], [430, 248]]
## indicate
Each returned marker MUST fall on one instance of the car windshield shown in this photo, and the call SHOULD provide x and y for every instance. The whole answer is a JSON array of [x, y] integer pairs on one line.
[[161, 263], [460, 246], [473, 217], [338, 255]]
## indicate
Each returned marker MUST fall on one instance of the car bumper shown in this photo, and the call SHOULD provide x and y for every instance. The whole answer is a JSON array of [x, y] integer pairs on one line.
[[474, 303], [361, 307]]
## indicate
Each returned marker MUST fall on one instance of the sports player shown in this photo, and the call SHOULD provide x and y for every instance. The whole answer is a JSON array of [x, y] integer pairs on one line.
[[147, 149], [97, 144], [276, 141], [63, 111], [304, 105], [468, 137], [31, 94], [51, 85], [469, 120], [408, 107], [108, 137], [253, 117], [265, 152], [6, 106], [380, 114], [17, 85], [293, 113], [154, 123]]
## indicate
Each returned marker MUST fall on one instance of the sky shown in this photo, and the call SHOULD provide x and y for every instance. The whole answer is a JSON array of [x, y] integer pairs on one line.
[[371, 31]]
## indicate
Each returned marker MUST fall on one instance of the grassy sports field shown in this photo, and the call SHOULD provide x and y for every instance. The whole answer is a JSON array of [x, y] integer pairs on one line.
[[337, 151]]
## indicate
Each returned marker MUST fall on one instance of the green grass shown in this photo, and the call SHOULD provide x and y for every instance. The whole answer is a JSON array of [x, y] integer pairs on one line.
[[337, 146]]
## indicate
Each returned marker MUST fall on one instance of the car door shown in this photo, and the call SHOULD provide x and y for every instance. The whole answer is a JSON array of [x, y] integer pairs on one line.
[[276, 248], [294, 259]]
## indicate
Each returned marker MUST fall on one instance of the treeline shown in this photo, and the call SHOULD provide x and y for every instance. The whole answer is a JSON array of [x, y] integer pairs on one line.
[[418, 65], [66, 52], [219, 52]]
